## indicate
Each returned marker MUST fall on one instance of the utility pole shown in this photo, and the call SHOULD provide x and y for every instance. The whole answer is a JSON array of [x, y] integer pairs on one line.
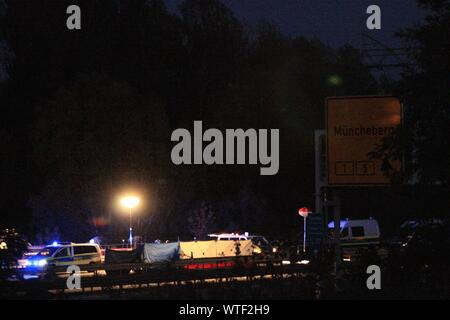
[[320, 170], [332, 204], [337, 232]]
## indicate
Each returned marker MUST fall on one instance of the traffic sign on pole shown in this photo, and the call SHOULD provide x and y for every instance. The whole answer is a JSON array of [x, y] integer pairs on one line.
[[355, 127], [304, 212]]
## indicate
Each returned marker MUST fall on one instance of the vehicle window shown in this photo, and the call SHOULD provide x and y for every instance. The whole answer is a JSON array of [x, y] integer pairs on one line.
[[84, 249], [47, 252], [357, 231], [63, 253], [262, 240], [344, 232]]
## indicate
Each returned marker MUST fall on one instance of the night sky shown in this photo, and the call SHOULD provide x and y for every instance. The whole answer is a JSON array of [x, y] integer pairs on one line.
[[334, 22]]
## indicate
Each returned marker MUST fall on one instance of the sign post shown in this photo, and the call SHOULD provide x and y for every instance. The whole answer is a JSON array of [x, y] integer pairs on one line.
[[304, 212], [355, 127], [337, 233]]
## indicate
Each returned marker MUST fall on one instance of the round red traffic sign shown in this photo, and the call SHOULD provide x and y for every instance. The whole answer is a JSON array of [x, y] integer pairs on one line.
[[304, 212]]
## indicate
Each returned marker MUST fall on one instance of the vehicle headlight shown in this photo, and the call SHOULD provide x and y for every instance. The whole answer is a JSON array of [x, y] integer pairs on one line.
[[42, 262], [257, 250], [28, 262], [39, 263], [274, 250]]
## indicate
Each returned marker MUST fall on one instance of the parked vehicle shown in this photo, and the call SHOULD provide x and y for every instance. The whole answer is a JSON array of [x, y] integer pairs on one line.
[[358, 232], [12, 247], [260, 242], [425, 243], [357, 237], [62, 254]]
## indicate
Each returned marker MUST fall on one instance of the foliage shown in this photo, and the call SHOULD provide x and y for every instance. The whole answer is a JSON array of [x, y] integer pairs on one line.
[[201, 221], [423, 139]]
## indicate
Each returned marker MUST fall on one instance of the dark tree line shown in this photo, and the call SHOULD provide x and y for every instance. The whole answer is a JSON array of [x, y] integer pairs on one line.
[[89, 112], [424, 89], [422, 142]]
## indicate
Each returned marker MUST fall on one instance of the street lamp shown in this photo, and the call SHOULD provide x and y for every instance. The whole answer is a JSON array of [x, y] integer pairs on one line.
[[130, 202]]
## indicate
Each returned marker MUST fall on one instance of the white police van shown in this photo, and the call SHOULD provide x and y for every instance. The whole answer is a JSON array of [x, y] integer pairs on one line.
[[63, 254], [356, 236], [358, 232]]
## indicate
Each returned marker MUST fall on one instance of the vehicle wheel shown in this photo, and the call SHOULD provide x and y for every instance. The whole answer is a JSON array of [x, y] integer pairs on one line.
[[49, 276], [91, 264], [138, 271]]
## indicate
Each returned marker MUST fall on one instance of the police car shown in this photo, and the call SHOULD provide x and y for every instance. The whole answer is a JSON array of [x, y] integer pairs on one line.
[[63, 254]]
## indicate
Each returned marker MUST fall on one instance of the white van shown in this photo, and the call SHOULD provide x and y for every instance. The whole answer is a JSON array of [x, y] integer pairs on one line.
[[358, 232], [229, 236], [260, 242], [64, 255]]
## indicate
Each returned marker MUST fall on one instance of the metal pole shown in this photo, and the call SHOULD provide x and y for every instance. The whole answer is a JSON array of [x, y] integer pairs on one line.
[[304, 234], [131, 232], [337, 232], [320, 170]]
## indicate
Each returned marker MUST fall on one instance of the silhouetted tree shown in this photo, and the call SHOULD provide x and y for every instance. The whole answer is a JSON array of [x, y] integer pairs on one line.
[[201, 221], [92, 138], [423, 139]]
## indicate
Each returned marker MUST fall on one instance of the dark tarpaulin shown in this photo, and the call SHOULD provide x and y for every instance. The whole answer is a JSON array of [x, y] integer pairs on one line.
[[118, 256]]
